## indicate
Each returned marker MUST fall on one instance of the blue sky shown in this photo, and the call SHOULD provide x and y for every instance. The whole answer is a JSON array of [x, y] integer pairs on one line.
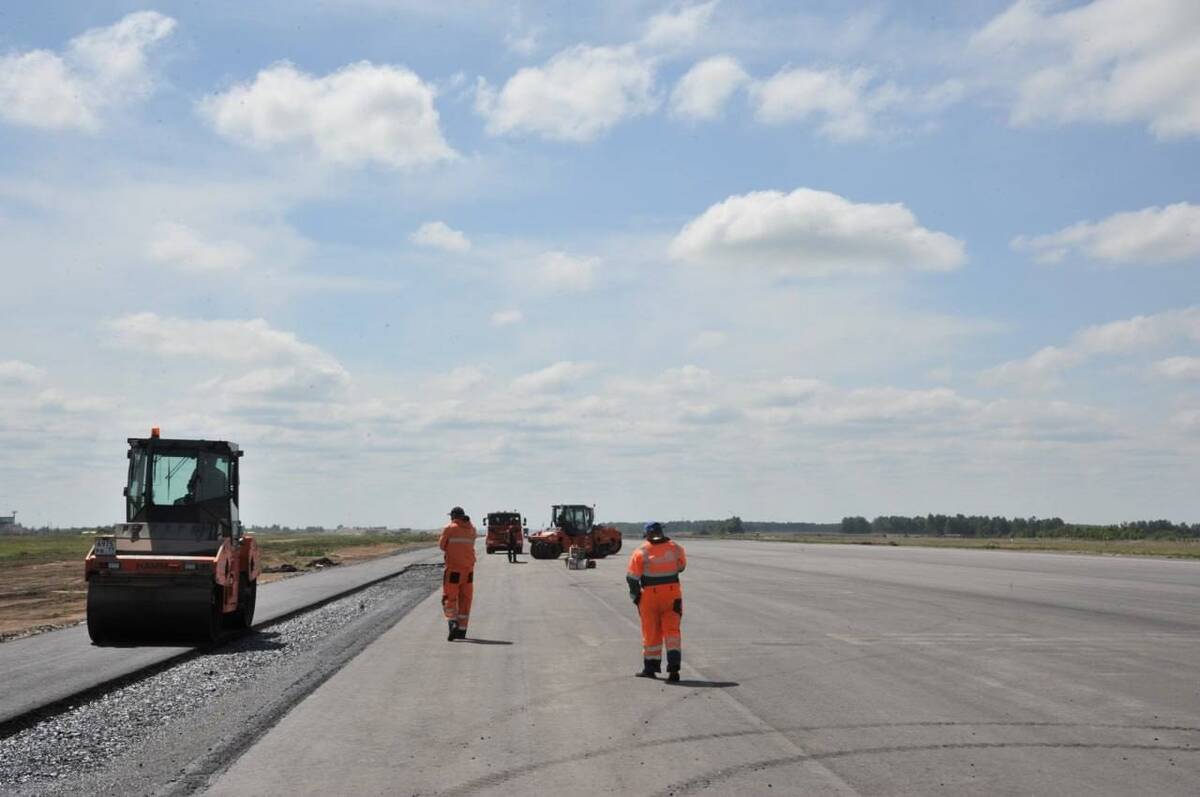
[[790, 261]]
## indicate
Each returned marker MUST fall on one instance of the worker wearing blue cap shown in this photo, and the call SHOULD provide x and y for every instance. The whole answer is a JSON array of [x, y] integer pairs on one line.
[[653, 579]]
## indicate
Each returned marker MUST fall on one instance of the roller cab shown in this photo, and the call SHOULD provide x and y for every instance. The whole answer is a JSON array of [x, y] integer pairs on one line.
[[179, 568]]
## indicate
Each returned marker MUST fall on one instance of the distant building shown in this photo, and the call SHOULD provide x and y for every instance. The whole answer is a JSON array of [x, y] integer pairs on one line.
[[8, 521]]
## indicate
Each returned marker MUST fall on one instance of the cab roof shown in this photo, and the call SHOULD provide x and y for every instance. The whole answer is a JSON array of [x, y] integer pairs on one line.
[[180, 444]]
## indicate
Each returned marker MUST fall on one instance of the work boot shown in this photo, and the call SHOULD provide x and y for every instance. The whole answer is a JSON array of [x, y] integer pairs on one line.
[[460, 633], [673, 676], [646, 674], [453, 635], [649, 668]]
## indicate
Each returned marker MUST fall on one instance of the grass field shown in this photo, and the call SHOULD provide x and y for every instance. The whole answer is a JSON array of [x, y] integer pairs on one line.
[[1174, 549], [41, 576]]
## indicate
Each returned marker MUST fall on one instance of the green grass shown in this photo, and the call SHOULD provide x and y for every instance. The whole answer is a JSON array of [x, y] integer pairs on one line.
[[1175, 549], [39, 548]]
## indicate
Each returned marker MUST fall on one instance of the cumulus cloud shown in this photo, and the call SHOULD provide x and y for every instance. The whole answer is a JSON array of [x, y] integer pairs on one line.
[[359, 114], [16, 372], [100, 69], [578, 95], [679, 26], [504, 318], [1182, 368], [1151, 236], [1126, 336], [812, 234], [848, 103], [703, 91], [281, 365], [560, 271], [437, 235], [557, 377], [1113, 61], [179, 246]]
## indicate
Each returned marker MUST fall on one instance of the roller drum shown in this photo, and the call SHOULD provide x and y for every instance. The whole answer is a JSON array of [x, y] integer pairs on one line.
[[141, 610]]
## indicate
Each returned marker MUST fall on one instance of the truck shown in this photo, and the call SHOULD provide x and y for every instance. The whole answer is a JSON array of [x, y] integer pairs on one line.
[[498, 525], [574, 525], [180, 567]]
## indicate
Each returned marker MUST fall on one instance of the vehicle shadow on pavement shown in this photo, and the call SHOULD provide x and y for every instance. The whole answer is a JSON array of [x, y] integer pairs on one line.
[[703, 684], [250, 640], [477, 641]]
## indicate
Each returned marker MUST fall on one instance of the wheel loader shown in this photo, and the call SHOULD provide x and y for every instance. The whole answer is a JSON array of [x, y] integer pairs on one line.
[[180, 567], [573, 525]]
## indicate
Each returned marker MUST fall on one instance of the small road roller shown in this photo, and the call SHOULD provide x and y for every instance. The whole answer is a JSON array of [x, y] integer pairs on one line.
[[180, 568]]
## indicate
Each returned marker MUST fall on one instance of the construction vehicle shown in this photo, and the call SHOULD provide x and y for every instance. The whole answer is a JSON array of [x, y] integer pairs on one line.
[[180, 567], [573, 525], [498, 525]]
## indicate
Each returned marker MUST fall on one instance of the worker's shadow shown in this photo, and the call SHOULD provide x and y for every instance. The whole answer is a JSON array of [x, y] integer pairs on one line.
[[703, 684], [478, 641]]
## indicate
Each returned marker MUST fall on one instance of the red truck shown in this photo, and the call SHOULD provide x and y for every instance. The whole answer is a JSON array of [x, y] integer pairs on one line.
[[498, 525]]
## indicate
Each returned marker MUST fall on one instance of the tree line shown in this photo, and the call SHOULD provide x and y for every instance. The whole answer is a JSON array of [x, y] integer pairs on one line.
[[730, 525], [996, 526]]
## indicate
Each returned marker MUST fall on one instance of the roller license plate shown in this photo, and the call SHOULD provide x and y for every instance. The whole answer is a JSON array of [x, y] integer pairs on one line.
[[106, 546]]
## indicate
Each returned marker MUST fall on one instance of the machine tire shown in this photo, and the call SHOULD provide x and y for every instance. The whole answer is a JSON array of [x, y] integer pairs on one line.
[[243, 618], [98, 630], [215, 620]]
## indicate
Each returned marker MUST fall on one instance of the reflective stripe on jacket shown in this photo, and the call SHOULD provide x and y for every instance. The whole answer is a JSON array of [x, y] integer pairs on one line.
[[458, 541], [655, 562]]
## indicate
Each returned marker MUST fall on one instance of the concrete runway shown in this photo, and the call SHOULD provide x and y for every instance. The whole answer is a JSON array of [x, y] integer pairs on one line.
[[808, 669]]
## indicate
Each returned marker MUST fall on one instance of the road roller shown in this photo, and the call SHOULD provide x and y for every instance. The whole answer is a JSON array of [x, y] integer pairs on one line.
[[180, 568]]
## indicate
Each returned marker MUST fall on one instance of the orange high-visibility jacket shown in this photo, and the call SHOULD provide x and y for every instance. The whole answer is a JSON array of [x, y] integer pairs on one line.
[[458, 541], [655, 563]]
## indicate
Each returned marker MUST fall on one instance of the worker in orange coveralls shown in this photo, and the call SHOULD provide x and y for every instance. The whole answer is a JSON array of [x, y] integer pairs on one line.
[[653, 579], [458, 582]]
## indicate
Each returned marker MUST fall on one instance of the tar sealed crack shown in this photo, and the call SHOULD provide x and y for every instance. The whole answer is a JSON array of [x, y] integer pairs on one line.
[[170, 732]]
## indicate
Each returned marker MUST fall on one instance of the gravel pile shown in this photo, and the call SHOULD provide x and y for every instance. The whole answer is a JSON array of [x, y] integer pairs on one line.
[[141, 736]]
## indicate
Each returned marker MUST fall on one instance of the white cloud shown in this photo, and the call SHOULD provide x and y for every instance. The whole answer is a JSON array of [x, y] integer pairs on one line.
[[1041, 369], [565, 272], [579, 94], [559, 376], [1113, 61], [181, 247], [708, 339], [813, 233], [707, 86], [1150, 236], [1114, 338], [284, 367], [100, 69], [849, 103], [458, 380], [1188, 420], [1141, 332], [253, 341], [678, 27], [437, 235], [361, 113], [1183, 368], [840, 97], [15, 372], [504, 318]]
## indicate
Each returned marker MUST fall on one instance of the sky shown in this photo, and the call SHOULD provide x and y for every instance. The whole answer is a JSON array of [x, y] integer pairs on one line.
[[790, 261]]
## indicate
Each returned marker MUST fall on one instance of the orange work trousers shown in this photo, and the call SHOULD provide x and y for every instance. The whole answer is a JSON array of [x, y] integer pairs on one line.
[[458, 588], [661, 609]]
